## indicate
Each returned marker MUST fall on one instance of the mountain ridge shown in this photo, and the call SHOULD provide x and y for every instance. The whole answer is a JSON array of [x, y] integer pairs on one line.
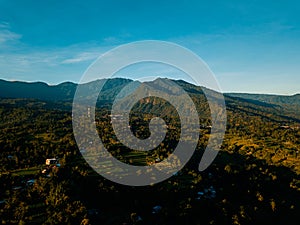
[[179, 81], [281, 108]]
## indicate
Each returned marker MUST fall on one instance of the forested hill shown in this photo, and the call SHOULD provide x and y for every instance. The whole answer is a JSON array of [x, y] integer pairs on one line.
[[272, 99], [286, 106]]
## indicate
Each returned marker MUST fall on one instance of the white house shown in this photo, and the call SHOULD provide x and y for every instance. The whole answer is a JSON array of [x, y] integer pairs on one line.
[[51, 161]]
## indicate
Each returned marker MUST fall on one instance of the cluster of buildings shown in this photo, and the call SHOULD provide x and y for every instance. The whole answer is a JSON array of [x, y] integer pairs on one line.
[[51, 164]]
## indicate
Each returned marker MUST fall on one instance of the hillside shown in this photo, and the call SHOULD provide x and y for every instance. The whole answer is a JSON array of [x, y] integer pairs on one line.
[[286, 106], [272, 99]]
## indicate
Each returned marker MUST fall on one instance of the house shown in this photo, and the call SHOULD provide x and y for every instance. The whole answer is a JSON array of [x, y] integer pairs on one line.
[[45, 171], [285, 127], [50, 162]]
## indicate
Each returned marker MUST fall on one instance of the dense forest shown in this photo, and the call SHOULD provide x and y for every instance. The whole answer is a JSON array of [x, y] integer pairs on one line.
[[253, 180]]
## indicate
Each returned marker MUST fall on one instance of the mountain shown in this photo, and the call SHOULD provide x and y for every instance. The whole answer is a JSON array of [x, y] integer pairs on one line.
[[275, 107]]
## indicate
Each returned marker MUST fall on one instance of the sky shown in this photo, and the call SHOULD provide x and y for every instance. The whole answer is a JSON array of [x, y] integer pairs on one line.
[[250, 46]]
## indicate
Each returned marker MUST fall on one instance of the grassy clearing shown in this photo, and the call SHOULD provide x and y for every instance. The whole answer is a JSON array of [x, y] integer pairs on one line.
[[26, 172]]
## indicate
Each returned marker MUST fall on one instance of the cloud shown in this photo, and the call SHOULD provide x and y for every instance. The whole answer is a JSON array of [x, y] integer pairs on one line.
[[6, 35], [117, 40], [81, 57], [111, 40], [21, 62], [4, 24]]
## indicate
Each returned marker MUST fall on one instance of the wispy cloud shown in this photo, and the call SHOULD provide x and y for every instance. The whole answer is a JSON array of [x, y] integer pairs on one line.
[[4, 24], [82, 57], [91, 52], [6, 35], [20, 61]]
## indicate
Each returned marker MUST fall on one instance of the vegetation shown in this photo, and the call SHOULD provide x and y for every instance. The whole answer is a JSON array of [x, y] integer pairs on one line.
[[254, 179]]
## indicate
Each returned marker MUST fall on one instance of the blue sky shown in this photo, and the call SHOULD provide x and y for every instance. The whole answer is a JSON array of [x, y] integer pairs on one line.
[[251, 46]]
